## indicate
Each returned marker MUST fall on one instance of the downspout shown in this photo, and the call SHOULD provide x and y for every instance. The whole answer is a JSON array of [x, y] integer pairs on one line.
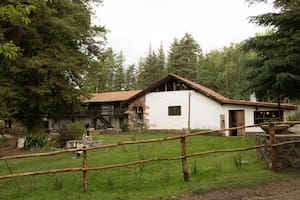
[[189, 113]]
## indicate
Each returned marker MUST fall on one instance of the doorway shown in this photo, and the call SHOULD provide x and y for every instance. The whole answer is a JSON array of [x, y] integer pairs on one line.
[[236, 118]]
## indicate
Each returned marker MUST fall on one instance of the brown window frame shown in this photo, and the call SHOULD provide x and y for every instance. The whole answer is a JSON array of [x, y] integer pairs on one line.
[[174, 110]]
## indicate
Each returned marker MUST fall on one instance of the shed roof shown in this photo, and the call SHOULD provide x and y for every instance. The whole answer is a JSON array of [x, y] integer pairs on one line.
[[111, 96]]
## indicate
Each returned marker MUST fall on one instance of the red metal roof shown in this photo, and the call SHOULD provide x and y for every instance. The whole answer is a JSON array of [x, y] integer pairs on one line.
[[111, 96], [224, 100], [209, 93], [129, 96]]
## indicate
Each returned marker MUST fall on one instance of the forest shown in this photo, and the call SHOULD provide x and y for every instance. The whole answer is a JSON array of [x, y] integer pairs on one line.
[[51, 54]]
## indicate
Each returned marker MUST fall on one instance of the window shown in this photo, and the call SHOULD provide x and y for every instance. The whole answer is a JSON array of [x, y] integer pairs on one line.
[[265, 116], [139, 115], [174, 110]]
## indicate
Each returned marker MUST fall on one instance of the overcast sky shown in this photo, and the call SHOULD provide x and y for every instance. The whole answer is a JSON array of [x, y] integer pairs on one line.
[[136, 24]]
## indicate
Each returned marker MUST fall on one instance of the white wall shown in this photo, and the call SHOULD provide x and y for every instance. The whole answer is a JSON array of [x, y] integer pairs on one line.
[[205, 112], [157, 109]]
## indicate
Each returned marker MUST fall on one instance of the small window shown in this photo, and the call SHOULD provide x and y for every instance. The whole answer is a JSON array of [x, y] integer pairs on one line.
[[265, 116], [174, 110]]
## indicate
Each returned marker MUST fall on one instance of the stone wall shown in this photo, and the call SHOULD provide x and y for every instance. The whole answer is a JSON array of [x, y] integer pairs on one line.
[[288, 156], [132, 115]]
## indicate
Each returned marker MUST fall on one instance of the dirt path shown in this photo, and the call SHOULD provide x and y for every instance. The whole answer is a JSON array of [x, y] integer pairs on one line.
[[284, 190]]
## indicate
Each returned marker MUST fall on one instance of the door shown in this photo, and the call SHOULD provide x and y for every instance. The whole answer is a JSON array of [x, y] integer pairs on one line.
[[236, 118]]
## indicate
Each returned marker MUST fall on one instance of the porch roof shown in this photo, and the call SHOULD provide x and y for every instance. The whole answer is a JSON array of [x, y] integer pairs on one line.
[[111, 96]]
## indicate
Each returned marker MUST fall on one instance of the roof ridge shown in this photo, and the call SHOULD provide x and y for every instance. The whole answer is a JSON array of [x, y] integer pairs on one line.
[[203, 88]]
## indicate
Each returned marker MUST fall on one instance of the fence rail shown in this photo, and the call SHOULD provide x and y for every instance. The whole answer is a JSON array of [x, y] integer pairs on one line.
[[183, 156]]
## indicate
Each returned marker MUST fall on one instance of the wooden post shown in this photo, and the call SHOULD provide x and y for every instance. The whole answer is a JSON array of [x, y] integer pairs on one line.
[[183, 159], [273, 149], [84, 165]]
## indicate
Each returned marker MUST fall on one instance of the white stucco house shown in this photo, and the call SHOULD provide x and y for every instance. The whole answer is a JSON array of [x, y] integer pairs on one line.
[[174, 103]]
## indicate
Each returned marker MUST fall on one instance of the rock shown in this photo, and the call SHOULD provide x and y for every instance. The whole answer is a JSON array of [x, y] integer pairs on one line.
[[20, 143]]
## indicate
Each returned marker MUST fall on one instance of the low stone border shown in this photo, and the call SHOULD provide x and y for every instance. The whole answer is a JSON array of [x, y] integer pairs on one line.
[[288, 156]]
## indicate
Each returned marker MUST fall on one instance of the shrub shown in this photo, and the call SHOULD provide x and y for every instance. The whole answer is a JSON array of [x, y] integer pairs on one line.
[[35, 141], [125, 127], [71, 131]]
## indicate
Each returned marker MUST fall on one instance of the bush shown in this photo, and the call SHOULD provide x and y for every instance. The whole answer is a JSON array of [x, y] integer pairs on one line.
[[125, 127], [35, 141], [71, 131]]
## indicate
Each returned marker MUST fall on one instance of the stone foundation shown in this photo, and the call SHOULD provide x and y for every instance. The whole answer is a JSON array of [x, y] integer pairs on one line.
[[288, 156]]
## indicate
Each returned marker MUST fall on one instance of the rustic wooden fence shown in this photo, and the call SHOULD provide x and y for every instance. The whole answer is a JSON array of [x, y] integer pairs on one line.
[[183, 157]]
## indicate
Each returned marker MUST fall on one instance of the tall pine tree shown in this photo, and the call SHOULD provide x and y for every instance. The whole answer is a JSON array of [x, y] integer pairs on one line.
[[106, 73], [151, 68], [130, 77], [276, 73], [184, 57]]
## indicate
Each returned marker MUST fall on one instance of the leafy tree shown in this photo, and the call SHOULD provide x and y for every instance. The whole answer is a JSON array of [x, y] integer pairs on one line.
[[184, 57], [225, 71], [55, 49], [276, 72], [151, 68], [15, 13]]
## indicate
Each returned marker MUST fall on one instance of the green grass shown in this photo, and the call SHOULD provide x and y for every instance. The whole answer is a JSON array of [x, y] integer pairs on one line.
[[157, 180]]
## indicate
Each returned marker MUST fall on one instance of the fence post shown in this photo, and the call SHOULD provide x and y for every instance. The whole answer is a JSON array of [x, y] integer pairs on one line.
[[273, 149], [183, 159], [84, 165]]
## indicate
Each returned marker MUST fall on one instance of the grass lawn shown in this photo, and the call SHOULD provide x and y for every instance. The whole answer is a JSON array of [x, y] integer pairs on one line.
[[157, 180]]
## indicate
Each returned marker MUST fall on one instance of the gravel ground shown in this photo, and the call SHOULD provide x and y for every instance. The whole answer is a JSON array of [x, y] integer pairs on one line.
[[283, 190]]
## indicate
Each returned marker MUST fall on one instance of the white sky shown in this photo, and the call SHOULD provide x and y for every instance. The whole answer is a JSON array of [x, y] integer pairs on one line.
[[136, 24]]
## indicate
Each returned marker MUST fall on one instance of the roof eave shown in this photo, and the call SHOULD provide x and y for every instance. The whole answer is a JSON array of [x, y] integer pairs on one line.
[[259, 104]]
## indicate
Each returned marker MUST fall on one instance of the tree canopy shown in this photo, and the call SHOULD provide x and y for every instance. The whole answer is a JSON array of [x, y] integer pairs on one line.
[[277, 68], [56, 46], [106, 73], [225, 70], [151, 68]]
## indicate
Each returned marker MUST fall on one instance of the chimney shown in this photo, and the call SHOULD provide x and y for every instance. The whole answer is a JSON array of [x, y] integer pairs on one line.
[[253, 97]]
